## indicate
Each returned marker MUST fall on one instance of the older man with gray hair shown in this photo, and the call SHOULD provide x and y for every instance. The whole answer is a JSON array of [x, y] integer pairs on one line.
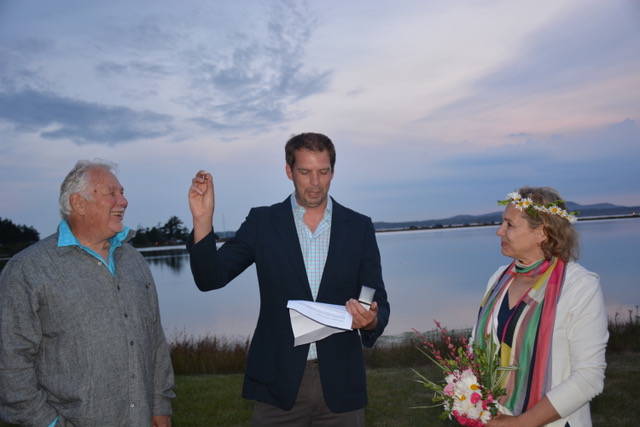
[[81, 342]]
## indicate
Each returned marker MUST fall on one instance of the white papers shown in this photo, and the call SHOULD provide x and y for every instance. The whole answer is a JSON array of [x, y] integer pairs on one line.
[[313, 321]]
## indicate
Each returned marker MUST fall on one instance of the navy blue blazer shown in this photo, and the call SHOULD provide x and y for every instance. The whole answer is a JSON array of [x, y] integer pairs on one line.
[[269, 238]]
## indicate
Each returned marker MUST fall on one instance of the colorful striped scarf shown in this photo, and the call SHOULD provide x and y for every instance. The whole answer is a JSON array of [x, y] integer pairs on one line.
[[526, 341]]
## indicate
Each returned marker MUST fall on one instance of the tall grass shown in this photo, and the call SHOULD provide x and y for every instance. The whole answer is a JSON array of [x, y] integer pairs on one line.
[[624, 337], [212, 355], [207, 355]]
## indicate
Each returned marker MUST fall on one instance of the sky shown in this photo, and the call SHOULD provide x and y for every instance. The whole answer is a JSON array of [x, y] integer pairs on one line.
[[436, 108]]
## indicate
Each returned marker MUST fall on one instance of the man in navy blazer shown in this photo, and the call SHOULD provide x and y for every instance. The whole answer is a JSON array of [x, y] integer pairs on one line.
[[322, 383]]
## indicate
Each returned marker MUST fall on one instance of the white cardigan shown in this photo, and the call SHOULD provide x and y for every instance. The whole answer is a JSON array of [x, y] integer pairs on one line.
[[578, 349]]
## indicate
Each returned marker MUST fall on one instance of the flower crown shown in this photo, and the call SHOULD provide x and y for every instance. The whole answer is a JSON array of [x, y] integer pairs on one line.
[[525, 203]]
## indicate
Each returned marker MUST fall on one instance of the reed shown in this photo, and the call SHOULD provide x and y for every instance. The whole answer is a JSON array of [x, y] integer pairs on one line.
[[193, 355], [624, 336], [207, 355]]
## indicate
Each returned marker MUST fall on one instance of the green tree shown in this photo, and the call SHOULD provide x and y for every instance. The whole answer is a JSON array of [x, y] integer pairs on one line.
[[175, 230], [14, 238]]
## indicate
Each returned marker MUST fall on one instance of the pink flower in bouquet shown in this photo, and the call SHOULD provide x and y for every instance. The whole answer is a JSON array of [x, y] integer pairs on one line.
[[472, 379], [448, 389]]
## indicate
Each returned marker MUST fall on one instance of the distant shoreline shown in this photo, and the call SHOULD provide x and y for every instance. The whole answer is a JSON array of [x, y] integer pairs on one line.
[[494, 223], [150, 251], [173, 249]]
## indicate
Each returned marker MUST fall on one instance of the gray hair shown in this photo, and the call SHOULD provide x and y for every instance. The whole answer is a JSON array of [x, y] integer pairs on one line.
[[77, 181]]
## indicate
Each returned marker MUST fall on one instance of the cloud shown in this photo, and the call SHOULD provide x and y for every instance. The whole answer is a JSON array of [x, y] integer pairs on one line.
[[82, 122], [594, 165], [598, 161], [240, 74], [107, 68], [572, 50], [15, 68], [519, 135], [145, 69], [256, 84], [588, 46]]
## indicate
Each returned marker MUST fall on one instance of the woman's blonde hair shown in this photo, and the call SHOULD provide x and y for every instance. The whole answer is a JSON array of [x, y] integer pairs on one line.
[[562, 238]]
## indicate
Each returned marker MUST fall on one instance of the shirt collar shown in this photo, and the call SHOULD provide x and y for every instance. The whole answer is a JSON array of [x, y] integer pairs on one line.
[[300, 210], [67, 238]]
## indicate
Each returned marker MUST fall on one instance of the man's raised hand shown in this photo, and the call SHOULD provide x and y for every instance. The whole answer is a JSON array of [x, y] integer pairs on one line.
[[201, 204]]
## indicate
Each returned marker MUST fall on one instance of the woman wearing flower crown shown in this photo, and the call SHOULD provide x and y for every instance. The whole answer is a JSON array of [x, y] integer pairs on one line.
[[547, 315]]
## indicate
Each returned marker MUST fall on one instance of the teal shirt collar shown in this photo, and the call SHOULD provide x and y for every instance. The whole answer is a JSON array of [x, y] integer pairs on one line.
[[67, 238]]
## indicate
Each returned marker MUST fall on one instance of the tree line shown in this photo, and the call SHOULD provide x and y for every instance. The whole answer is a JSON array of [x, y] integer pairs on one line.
[[15, 237], [173, 232]]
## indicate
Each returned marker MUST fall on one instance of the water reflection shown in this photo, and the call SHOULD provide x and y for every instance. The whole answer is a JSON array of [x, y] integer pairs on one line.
[[175, 260], [175, 263], [439, 274]]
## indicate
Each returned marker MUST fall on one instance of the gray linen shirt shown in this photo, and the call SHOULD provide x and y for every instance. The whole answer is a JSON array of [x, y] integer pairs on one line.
[[79, 343]]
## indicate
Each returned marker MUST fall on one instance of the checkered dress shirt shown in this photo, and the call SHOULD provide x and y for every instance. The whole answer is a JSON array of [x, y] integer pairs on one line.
[[315, 246]]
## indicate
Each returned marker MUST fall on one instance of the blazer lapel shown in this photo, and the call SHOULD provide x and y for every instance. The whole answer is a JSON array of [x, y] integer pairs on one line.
[[286, 229], [337, 241]]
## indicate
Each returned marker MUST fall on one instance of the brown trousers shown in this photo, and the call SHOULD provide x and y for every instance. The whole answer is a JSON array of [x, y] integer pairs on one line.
[[309, 410]]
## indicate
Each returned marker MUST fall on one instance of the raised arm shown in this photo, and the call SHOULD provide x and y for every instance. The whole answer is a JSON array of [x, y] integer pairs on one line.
[[201, 204]]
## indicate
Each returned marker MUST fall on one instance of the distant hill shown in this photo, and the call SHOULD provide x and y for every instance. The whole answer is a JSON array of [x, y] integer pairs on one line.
[[585, 212]]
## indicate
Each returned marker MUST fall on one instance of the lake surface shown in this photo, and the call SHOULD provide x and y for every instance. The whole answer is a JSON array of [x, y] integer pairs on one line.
[[430, 274]]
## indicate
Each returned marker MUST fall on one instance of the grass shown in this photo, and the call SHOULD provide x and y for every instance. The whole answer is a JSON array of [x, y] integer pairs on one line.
[[205, 399], [214, 400], [617, 405], [208, 400]]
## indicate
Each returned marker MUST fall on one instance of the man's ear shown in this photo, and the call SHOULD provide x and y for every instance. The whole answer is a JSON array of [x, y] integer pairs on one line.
[[289, 171], [78, 204]]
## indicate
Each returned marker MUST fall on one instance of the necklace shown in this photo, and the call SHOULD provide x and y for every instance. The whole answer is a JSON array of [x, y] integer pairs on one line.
[[525, 268]]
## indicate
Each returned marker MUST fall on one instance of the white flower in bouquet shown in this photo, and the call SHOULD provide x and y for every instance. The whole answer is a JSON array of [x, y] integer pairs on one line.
[[472, 382]]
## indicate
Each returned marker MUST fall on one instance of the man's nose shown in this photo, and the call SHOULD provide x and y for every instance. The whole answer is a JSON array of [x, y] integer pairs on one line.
[[500, 229], [315, 179], [122, 201]]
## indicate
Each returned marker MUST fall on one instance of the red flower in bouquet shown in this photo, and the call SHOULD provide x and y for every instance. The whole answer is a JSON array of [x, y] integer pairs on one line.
[[472, 378]]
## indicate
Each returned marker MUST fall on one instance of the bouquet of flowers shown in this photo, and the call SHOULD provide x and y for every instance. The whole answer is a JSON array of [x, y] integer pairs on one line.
[[472, 379]]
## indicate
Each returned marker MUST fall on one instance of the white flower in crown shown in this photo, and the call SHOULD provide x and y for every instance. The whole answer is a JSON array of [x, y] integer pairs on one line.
[[526, 202], [514, 196], [523, 203], [571, 218], [556, 210]]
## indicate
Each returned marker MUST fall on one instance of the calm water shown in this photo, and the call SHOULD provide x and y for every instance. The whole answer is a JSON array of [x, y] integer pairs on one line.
[[434, 274]]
